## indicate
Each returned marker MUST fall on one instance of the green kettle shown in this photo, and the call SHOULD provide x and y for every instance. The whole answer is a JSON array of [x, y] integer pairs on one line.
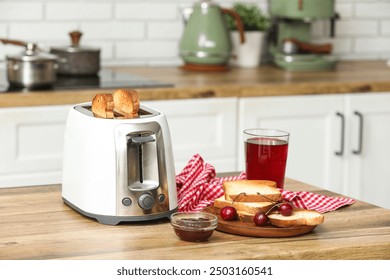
[[206, 38]]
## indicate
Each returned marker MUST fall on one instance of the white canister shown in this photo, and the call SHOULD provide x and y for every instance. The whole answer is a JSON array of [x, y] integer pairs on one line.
[[248, 54]]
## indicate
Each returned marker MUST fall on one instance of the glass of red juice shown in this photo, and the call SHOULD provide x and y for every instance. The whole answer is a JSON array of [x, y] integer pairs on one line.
[[266, 154]]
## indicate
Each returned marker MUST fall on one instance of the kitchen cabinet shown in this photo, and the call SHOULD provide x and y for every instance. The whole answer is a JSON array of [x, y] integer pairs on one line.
[[205, 126], [32, 138], [327, 134], [31, 145], [368, 147], [315, 133]]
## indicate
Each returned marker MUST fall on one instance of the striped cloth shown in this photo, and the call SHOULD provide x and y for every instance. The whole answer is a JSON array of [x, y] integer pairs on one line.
[[313, 201], [198, 187]]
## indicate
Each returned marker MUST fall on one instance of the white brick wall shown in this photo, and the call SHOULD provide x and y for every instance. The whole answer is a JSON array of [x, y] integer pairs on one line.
[[147, 32], [85, 11], [147, 11]]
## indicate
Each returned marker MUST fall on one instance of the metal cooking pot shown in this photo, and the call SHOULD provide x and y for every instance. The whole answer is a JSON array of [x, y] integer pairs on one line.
[[77, 60], [31, 68]]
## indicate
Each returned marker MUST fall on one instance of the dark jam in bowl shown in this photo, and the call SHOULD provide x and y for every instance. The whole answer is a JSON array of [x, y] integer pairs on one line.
[[193, 235], [194, 227]]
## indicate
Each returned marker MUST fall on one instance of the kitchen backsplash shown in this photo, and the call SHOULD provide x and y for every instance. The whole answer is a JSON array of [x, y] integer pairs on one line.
[[136, 32]]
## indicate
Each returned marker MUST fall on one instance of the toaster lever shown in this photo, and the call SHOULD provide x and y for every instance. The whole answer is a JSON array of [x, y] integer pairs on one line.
[[142, 139]]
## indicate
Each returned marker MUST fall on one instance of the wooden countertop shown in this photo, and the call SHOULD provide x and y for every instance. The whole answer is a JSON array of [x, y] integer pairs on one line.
[[36, 224], [349, 76]]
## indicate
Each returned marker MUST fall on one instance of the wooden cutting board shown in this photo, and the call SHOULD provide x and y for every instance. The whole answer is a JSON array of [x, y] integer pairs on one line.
[[250, 229]]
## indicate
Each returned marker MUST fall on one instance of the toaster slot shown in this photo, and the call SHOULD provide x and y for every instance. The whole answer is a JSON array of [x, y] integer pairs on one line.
[[144, 112], [140, 141], [142, 161]]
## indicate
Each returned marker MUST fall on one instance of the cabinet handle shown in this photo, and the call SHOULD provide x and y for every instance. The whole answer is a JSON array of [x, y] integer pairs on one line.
[[341, 151], [360, 143]]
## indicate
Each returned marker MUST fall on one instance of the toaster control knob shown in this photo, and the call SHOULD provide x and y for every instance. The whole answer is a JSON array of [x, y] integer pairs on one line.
[[146, 201], [126, 201], [161, 198]]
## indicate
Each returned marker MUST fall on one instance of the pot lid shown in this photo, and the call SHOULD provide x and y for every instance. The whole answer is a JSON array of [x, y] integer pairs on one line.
[[75, 37], [32, 54]]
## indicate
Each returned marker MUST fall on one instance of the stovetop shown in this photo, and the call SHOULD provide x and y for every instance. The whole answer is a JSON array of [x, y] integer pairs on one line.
[[105, 79]]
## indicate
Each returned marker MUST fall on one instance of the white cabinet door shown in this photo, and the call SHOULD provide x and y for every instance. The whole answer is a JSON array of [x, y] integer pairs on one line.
[[204, 126], [315, 134], [31, 145], [369, 147]]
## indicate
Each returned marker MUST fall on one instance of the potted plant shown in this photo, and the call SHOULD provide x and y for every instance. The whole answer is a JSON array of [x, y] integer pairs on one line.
[[255, 24]]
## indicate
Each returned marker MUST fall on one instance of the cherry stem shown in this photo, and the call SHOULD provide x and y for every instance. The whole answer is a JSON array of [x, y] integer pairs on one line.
[[238, 196], [277, 205], [273, 201], [272, 208]]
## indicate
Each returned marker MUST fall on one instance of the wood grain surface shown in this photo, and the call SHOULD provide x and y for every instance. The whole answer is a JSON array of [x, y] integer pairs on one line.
[[36, 224], [268, 80]]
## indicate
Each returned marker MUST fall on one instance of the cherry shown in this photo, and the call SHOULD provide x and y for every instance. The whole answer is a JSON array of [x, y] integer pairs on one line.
[[260, 219], [285, 209], [228, 213]]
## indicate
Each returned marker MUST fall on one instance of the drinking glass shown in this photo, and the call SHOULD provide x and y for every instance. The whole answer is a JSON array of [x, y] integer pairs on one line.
[[266, 154]]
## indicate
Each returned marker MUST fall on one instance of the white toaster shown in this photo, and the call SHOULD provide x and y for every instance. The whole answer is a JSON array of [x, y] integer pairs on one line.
[[118, 170]]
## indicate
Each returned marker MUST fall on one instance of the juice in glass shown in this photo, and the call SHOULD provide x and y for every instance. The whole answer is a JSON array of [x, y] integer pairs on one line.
[[266, 155]]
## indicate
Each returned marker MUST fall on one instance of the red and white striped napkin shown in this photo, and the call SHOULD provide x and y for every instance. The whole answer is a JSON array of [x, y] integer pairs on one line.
[[198, 187], [313, 201]]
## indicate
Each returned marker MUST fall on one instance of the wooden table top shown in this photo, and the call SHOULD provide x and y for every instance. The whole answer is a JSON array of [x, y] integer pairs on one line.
[[36, 224], [267, 80]]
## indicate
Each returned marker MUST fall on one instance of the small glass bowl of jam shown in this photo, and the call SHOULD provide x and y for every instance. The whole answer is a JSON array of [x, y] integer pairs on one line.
[[194, 227]]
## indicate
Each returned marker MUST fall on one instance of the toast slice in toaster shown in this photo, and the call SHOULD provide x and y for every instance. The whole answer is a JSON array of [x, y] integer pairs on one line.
[[103, 105], [122, 104], [126, 102]]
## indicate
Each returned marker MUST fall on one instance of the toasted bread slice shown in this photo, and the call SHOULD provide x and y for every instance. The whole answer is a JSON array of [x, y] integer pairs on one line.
[[251, 191], [109, 114], [249, 207], [245, 216], [103, 105], [136, 103], [299, 217], [121, 115], [126, 102]]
